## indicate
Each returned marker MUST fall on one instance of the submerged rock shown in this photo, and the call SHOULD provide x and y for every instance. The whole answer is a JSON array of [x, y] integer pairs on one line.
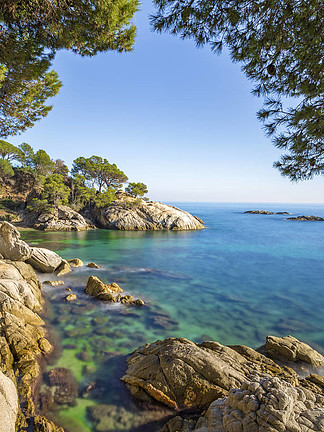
[[64, 386], [61, 218], [128, 213], [306, 218], [261, 405], [42, 424]]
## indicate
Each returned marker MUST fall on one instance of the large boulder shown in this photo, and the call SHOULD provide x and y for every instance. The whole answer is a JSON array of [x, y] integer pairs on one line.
[[262, 405], [11, 247], [61, 218], [44, 260], [127, 213], [8, 404], [293, 350], [181, 374]]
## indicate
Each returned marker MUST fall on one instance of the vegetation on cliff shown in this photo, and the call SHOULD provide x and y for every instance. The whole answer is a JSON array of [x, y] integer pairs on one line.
[[41, 184]]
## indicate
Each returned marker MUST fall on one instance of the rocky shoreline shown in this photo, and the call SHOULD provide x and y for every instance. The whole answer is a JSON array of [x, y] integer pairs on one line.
[[208, 387], [126, 213]]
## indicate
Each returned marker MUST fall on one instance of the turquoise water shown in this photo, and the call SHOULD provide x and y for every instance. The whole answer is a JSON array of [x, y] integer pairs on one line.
[[242, 278]]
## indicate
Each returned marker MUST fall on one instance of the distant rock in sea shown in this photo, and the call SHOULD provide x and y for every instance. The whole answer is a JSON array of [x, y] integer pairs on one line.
[[266, 212], [128, 213], [306, 218]]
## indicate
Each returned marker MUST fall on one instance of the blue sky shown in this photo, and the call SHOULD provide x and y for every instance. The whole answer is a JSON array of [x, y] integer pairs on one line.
[[178, 118]]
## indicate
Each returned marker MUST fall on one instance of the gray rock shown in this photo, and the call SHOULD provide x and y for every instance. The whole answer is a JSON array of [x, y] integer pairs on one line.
[[44, 260], [8, 404], [261, 405], [181, 374], [11, 247], [307, 218], [62, 218], [127, 213], [293, 350]]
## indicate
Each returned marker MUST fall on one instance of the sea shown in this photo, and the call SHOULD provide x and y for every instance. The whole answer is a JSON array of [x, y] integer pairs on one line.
[[243, 277]]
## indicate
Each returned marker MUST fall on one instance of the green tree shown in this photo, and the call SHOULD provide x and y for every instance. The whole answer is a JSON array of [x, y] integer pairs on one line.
[[99, 172], [32, 31], [9, 151], [281, 47], [23, 103], [6, 170], [80, 193], [136, 189], [27, 155], [61, 168], [55, 191], [42, 163]]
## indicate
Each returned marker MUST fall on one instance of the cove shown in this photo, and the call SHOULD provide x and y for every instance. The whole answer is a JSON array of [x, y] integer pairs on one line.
[[240, 279]]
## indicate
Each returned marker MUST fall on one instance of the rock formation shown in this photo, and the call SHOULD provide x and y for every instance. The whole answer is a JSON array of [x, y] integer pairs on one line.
[[61, 218], [22, 335], [306, 218], [127, 213], [261, 405], [184, 375], [104, 292], [8, 404]]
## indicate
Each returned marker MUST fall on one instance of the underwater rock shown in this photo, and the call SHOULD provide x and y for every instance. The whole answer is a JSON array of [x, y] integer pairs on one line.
[[44, 260], [64, 385], [260, 405], [128, 213], [75, 262], [93, 265], [293, 350], [54, 283]]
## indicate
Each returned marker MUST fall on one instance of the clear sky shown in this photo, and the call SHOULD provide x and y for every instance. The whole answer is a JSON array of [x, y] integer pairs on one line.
[[181, 120]]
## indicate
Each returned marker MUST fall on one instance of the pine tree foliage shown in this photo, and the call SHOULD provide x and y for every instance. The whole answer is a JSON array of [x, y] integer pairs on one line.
[[32, 31], [280, 44]]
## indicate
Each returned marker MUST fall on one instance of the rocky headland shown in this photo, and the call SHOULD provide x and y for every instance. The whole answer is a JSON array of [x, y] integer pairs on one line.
[[125, 213], [128, 213]]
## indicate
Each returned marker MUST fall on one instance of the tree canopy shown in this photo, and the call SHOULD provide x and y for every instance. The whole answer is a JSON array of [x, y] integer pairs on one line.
[[136, 189], [281, 47], [98, 172], [32, 31]]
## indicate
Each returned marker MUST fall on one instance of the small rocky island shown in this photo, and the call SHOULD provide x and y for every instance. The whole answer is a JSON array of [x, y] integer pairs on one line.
[[307, 218], [266, 212]]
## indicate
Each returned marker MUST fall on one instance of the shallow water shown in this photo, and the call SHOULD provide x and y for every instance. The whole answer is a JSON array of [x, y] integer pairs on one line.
[[242, 278]]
